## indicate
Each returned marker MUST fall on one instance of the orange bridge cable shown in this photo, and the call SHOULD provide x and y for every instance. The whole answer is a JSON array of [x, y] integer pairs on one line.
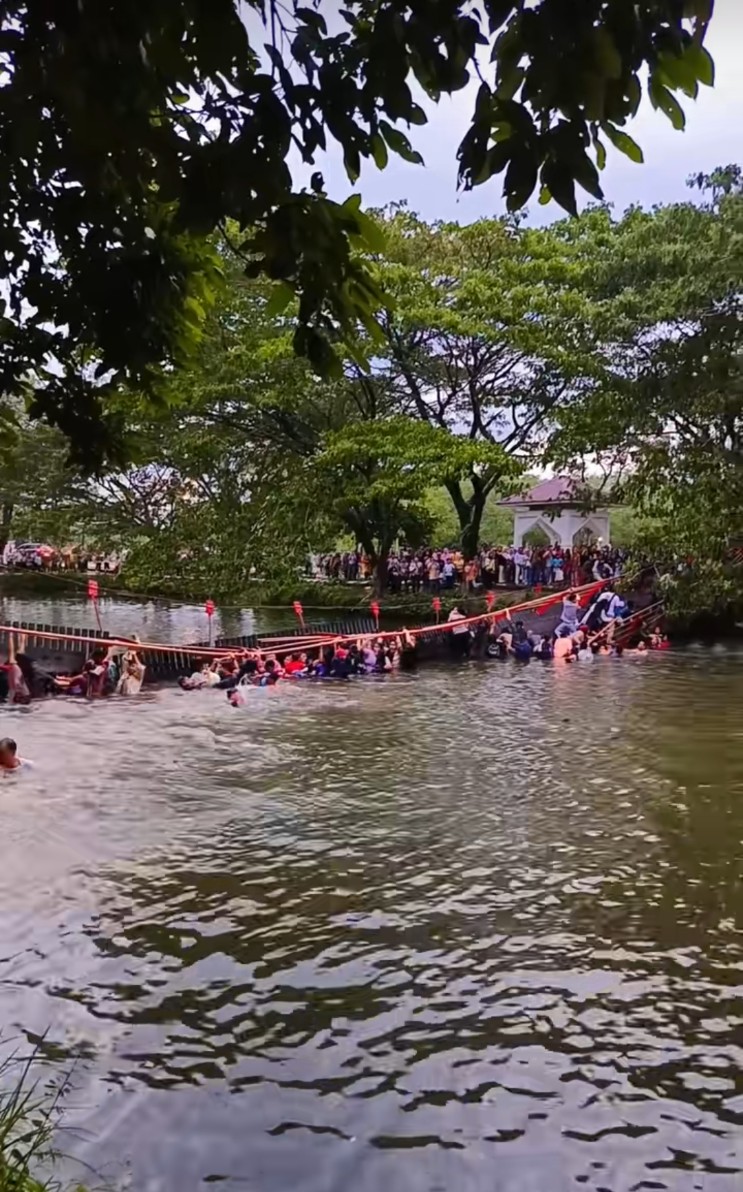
[[222, 651], [141, 647], [119, 643], [491, 616], [625, 628], [646, 618]]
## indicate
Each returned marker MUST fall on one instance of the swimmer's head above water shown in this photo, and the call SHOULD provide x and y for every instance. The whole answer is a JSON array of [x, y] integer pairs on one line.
[[8, 754]]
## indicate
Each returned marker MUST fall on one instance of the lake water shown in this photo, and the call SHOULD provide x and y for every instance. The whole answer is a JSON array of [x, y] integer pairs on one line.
[[480, 928]]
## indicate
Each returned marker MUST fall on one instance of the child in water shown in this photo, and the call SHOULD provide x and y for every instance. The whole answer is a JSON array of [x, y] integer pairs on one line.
[[10, 762]]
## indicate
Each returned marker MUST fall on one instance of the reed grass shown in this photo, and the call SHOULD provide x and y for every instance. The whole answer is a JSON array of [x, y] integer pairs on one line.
[[29, 1120]]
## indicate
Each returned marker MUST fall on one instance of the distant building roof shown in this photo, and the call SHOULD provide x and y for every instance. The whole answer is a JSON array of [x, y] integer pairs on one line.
[[560, 490]]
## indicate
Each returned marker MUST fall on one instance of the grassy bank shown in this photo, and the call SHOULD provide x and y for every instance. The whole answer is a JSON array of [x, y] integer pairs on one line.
[[28, 1120], [314, 597]]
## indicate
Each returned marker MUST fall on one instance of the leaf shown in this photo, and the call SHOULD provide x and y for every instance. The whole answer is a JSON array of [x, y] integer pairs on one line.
[[634, 93], [624, 142], [352, 163], [702, 9], [702, 63], [607, 55], [310, 17], [494, 161], [510, 81], [557, 178], [520, 180], [371, 232], [416, 115], [678, 71], [400, 144], [600, 151], [661, 97], [379, 151], [281, 296], [585, 172]]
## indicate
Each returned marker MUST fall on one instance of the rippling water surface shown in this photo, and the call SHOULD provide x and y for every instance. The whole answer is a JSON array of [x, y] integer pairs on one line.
[[473, 929]]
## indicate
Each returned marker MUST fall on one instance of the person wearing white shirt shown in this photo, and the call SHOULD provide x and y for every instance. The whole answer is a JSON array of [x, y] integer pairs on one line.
[[460, 633]]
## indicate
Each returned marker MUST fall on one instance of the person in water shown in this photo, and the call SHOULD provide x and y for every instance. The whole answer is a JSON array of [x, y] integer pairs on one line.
[[563, 647], [407, 651], [459, 638], [296, 664], [19, 691], [521, 645], [569, 615], [606, 608], [132, 673], [271, 674], [92, 680], [10, 762]]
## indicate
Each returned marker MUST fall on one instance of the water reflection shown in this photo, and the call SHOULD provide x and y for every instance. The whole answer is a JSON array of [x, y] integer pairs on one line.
[[475, 929], [152, 620]]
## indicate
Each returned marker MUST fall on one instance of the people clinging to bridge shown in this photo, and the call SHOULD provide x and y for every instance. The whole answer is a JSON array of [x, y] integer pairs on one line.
[[18, 687]]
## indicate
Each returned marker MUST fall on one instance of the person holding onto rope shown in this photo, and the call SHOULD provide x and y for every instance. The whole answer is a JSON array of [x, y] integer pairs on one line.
[[569, 615], [604, 609], [19, 690], [460, 635], [132, 672]]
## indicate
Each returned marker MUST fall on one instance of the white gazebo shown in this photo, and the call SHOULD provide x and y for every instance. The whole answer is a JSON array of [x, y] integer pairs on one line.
[[555, 507]]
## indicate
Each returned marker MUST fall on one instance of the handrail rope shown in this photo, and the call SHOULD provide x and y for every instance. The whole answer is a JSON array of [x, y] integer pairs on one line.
[[295, 642], [622, 627]]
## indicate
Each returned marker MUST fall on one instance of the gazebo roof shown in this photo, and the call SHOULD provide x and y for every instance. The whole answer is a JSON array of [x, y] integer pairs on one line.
[[559, 490]]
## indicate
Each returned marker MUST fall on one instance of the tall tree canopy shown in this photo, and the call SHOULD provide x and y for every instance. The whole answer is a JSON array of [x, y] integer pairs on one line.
[[665, 415], [131, 129], [489, 330]]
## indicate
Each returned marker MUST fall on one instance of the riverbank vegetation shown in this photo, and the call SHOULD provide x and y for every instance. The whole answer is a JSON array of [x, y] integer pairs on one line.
[[607, 347], [29, 1118]]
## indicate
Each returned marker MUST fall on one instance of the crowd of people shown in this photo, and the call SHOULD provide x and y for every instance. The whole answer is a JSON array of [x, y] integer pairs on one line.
[[580, 634], [428, 570], [106, 671], [234, 673], [608, 626], [39, 556]]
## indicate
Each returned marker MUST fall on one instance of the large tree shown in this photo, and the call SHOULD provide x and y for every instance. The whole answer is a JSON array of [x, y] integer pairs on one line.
[[130, 130], [374, 475], [490, 328], [666, 418]]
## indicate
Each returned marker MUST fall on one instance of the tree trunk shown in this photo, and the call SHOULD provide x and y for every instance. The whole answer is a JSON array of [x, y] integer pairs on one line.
[[6, 519], [471, 533], [469, 512], [380, 574]]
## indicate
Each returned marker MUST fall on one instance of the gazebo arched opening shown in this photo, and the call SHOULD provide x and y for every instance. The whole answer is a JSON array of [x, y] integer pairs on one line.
[[536, 536], [588, 534]]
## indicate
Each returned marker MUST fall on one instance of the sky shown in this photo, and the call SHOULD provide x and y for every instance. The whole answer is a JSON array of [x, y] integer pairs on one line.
[[713, 136]]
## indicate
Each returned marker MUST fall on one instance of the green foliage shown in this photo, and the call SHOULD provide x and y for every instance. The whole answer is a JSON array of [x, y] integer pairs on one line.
[[596, 340], [28, 1119], [374, 475], [131, 132], [627, 528], [36, 483], [496, 526], [492, 326], [666, 413]]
